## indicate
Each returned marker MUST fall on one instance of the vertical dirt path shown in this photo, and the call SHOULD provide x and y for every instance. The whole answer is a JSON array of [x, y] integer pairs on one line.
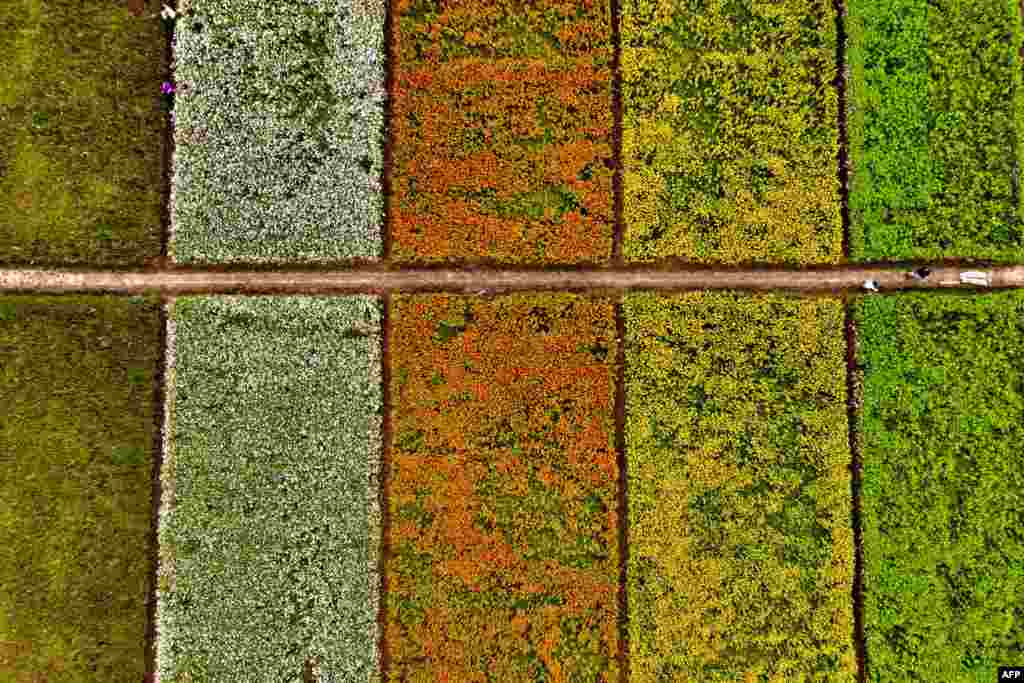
[[159, 437], [384, 661], [853, 407], [623, 492]]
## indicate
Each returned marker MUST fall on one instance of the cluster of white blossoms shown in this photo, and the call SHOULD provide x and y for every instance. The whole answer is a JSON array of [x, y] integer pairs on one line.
[[270, 527], [279, 127]]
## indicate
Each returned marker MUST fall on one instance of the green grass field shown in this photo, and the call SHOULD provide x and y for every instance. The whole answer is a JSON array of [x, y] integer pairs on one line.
[[76, 456], [936, 114], [81, 130], [943, 485]]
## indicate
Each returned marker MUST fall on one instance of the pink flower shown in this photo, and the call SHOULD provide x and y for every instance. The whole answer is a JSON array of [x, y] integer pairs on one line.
[[167, 88]]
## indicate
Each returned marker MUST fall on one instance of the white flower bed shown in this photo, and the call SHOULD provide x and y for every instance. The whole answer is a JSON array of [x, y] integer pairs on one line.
[[279, 111], [269, 523]]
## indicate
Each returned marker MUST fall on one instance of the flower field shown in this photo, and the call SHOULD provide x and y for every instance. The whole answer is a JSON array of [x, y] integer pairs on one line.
[[504, 528], [395, 341], [741, 543], [278, 117], [268, 530], [730, 131], [502, 131], [520, 540], [553, 132]]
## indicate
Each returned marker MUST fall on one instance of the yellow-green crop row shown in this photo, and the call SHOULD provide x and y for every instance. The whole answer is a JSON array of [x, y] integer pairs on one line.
[[730, 131], [740, 536]]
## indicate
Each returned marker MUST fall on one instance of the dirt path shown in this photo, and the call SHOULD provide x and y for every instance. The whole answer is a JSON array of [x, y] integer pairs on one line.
[[379, 280]]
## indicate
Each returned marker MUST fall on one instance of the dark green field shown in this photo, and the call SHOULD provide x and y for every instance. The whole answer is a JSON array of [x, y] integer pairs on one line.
[[81, 133], [76, 449]]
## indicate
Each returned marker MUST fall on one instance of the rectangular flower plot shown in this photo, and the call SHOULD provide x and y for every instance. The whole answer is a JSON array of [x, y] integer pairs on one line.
[[941, 431], [502, 126], [81, 131], [936, 115], [741, 544], [269, 528], [503, 559], [730, 131], [77, 441], [278, 131]]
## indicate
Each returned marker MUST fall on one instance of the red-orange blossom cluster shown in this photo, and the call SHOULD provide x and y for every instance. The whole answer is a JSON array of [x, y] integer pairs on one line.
[[503, 479], [501, 131]]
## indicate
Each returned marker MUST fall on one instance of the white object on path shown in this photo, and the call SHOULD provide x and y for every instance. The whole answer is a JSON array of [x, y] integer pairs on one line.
[[978, 278], [871, 285]]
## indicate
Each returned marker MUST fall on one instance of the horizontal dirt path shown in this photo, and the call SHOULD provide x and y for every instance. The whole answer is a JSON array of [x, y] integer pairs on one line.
[[378, 279]]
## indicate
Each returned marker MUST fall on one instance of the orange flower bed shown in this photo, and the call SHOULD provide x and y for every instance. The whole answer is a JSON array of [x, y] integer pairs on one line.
[[504, 528], [501, 131]]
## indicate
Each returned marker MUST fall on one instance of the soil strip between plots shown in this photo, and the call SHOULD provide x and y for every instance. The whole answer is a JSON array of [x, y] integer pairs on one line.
[[156, 493], [386, 128], [853, 407], [618, 217], [384, 494], [844, 136], [377, 281], [623, 501], [167, 147]]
